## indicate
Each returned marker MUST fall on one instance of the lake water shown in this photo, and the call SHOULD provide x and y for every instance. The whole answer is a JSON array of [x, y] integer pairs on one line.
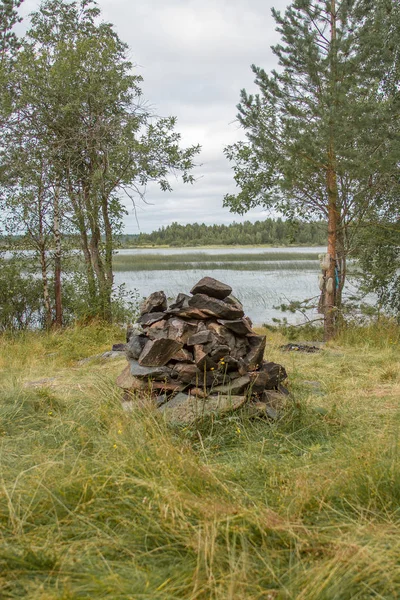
[[259, 290], [222, 250]]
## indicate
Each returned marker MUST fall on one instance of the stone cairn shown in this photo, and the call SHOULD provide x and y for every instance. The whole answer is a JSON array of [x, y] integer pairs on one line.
[[199, 356]]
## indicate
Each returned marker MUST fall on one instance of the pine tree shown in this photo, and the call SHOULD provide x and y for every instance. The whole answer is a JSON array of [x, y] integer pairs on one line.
[[310, 149], [377, 245]]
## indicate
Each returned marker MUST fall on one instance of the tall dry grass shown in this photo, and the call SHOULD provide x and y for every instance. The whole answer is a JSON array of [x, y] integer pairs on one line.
[[98, 503]]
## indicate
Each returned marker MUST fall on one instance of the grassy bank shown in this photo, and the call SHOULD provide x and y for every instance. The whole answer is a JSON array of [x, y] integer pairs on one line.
[[97, 503], [200, 260]]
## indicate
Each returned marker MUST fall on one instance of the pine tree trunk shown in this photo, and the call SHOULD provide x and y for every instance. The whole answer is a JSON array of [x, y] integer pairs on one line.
[[330, 290], [332, 192]]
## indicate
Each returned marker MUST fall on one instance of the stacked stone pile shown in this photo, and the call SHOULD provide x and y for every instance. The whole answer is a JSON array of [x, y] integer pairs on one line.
[[199, 355]]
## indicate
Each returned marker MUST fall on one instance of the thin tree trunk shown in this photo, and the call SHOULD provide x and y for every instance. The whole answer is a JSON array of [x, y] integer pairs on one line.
[[57, 259], [341, 264], [45, 283], [80, 221], [93, 245], [98, 267], [43, 260], [92, 210], [108, 254]]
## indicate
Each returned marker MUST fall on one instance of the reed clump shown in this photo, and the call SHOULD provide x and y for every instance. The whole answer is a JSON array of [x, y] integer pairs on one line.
[[200, 260]]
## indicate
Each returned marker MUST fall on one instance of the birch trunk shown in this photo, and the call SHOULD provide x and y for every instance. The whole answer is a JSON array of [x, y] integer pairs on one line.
[[57, 259]]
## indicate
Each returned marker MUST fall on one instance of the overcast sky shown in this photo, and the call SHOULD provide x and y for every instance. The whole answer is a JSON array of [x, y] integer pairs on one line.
[[195, 57]]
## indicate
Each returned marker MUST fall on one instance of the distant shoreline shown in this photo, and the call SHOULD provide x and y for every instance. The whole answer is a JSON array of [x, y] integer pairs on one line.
[[17, 248], [214, 246]]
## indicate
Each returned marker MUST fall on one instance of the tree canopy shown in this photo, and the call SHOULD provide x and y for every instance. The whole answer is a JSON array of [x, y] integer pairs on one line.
[[81, 133], [316, 131]]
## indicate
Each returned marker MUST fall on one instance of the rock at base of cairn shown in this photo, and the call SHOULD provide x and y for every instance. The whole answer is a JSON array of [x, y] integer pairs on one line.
[[184, 409], [200, 357]]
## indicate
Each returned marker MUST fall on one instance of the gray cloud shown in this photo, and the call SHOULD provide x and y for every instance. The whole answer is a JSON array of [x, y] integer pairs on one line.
[[194, 58]]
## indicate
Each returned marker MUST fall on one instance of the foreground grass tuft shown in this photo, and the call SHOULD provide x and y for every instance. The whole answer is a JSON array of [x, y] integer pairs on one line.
[[99, 503]]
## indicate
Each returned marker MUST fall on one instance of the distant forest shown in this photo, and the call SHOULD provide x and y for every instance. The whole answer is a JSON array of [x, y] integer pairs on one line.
[[269, 231]]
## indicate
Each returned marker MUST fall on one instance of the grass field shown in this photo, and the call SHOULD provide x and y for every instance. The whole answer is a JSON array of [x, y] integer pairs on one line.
[[199, 260], [97, 503]]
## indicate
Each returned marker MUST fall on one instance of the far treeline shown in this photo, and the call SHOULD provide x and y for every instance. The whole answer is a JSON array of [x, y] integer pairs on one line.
[[77, 138], [270, 231]]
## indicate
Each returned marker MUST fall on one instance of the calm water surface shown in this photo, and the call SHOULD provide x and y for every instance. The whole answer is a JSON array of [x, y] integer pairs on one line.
[[258, 290]]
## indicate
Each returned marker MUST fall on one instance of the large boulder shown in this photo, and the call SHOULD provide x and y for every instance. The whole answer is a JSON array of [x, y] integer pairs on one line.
[[212, 287]]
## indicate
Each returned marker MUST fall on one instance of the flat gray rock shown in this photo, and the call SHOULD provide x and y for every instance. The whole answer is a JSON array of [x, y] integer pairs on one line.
[[220, 352], [212, 287], [238, 326], [187, 312], [202, 337], [127, 381], [135, 346], [186, 372], [181, 301], [255, 355], [156, 302], [223, 335], [138, 370], [150, 318], [133, 329], [185, 409], [276, 374], [234, 387], [274, 399], [242, 348], [203, 361], [182, 355], [214, 307], [110, 355], [234, 302], [157, 353]]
